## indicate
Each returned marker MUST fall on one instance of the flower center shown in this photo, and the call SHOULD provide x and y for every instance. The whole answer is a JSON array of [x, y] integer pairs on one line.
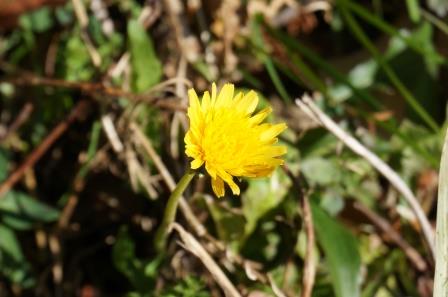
[[226, 138]]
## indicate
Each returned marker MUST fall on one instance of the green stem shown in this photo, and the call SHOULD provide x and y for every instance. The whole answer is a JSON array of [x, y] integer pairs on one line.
[[171, 209]]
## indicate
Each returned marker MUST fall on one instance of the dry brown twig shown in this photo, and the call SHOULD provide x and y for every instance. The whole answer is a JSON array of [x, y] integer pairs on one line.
[[179, 117], [393, 236], [139, 174], [83, 20], [307, 105], [98, 89], [193, 246], [111, 133], [309, 270], [43, 147]]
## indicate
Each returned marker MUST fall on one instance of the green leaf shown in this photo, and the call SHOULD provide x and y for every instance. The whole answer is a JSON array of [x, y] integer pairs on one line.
[[39, 21], [4, 164], [64, 14], [9, 243], [414, 10], [20, 211], [188, 287], [13, 264], [146, 67], [262, 196], [77, 65], [423, 38], [321, 171], [341, 250], [228, 224]]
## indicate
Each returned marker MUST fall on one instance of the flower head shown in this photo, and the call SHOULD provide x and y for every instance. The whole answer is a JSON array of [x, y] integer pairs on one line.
[[231, 141]]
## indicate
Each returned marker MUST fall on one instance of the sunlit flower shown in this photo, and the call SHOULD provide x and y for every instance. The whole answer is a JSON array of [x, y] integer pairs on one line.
[[231, 141]]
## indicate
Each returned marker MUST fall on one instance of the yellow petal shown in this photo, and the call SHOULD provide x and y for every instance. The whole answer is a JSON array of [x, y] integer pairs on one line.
[[259, 117], [210, 170], [272, 131], [225, 95], [213, 93], [194, 110], [196, 163], [229, 180], [218, 187], [193, 148], [248, 103], [193, 99], [274, 151], [206, 101]]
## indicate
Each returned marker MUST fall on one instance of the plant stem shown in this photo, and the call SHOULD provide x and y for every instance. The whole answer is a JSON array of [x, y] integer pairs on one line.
[[171, 209], [441, 274]]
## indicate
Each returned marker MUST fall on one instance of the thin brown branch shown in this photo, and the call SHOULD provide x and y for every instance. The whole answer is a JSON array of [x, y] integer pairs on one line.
[[21, 118], [167, 177], [309, 269], [93, 89], [43, 147], [26, 78]]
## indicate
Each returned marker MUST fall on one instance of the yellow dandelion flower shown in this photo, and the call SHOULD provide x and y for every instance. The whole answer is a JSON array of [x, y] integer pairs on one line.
[[231, 141]]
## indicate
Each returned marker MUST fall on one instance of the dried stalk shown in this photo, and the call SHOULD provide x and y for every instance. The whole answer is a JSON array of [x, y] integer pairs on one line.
[[441, 274]]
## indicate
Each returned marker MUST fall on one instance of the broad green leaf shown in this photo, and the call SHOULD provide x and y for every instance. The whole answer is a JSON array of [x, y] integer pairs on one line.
[[20, 211], [228, 224], [9, 243], [321, 171], [13, 264], [262, 196], [146, 67], [341, 251]]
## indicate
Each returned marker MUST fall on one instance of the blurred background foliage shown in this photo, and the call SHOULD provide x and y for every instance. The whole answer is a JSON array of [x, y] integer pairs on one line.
[[80, 218]]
